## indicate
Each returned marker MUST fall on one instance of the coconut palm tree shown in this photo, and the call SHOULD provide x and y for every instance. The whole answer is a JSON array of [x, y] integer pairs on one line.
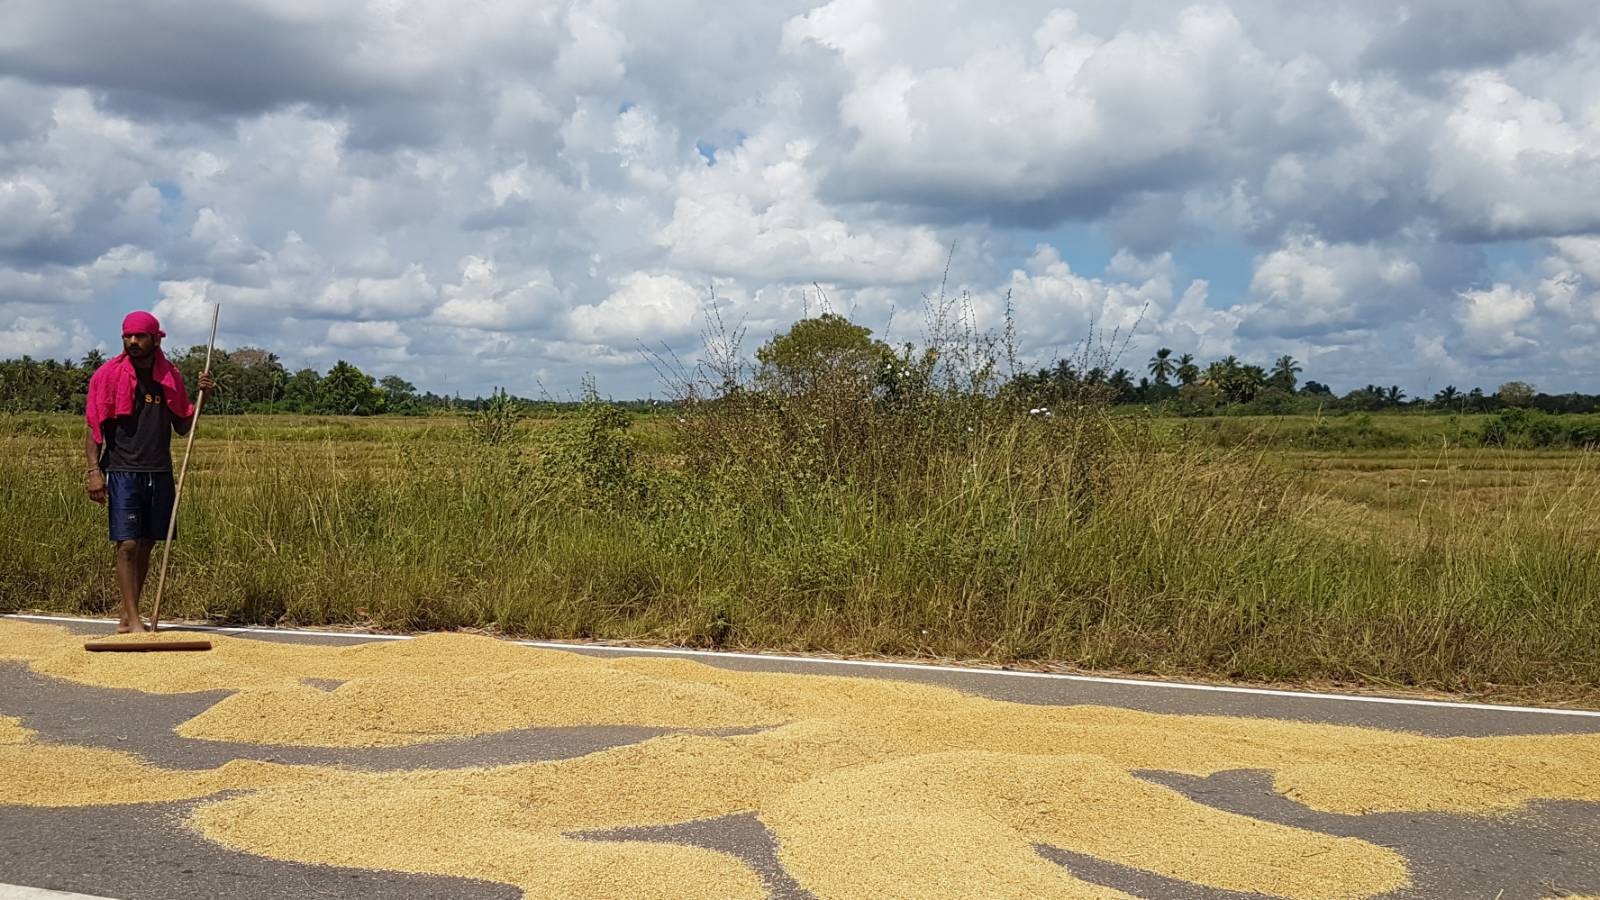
[[1285, 373], [1162, 367], [1188, 372], [1221, 371], [1121, 382]]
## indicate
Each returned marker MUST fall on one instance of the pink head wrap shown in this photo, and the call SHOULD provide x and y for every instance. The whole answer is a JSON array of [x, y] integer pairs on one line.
[[112, 386], [141, 322]]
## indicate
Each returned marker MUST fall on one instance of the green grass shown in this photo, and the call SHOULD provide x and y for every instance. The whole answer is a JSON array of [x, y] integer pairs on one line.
[[1097, 543], [1380, 431]]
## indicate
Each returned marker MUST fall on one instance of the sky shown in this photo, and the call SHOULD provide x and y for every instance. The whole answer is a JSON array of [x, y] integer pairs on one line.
[[519, 194]]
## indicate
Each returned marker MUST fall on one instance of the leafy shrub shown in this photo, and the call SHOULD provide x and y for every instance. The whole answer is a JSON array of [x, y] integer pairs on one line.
[[495, 425], [590, 457], [1585, 435], [1526, 429]]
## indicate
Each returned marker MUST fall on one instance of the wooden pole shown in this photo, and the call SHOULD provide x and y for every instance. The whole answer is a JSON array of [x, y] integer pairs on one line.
[[177, 494]]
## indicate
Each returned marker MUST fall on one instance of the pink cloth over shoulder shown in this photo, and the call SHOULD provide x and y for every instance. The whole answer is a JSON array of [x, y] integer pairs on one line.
[[113, 386]]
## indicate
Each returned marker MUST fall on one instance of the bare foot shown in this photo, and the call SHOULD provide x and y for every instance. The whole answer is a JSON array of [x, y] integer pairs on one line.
[[131, 628]]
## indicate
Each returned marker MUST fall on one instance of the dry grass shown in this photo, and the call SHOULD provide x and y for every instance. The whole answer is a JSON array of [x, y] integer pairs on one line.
[[1077, 542]]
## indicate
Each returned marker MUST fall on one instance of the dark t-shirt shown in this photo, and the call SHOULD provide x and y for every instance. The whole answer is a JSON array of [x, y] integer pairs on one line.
[[142, 441]]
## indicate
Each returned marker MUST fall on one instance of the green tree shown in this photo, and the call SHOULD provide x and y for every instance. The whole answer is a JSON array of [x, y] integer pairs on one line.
[[346, 390], [825, 349], [1250, 381], [1188, 372], [260, 379], [192, 362], [1448, 397], [92, 360], [1162, 368], [1366, 399], [397, 388], [1285, 373], [1515, 393], [1121, 384], [399, 395], [303, 390], [1235, 381]]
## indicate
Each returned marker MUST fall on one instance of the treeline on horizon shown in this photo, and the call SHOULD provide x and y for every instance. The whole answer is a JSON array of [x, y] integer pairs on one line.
[[254, 380], [251, 380], [1229, 386]]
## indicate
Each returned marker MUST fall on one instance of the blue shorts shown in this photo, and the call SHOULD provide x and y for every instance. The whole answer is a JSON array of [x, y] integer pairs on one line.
[[139, 505]]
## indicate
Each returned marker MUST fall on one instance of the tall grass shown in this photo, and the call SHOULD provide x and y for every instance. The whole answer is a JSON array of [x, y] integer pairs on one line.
[[937, 519], [1166, 560]]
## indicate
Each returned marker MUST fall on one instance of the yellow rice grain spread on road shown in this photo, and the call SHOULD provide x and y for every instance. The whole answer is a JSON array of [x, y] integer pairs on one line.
[[378, 712], [12, 732], [62, 775], [870, 787], [239, 664], [903, 811]]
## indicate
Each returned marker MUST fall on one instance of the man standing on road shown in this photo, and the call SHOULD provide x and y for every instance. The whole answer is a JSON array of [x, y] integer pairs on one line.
[[136, 401]]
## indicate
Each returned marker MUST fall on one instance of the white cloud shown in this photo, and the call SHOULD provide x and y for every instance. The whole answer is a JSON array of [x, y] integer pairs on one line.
[[535, 187], [1310, 287], [1506, 163], [1570, 293], [1043, 116], [28, 207], [593, 53], [44, 338], [1580, 255], [366, 334], [756, 214], [642, 308], [185, 307], [406, 294], [1056, 305], [1434, 356], [55, 284], [1490, 320], [487, 300]]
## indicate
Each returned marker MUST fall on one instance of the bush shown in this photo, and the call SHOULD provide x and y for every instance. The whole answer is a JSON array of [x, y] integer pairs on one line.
[[1531, 429], [495, 425], [1584, 435], [590, 457]]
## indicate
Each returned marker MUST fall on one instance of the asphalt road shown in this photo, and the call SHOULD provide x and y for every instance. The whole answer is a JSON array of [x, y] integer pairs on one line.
[[145, 851]]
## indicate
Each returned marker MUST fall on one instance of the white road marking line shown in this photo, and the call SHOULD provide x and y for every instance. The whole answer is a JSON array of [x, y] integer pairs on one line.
[[22, 892], [914, 667]]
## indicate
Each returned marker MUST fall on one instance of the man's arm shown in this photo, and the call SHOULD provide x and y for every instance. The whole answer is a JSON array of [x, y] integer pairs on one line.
[[96, 485], [207, 386]]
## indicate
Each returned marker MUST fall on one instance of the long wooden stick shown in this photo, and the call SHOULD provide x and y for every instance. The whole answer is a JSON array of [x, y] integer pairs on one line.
[[177, 493]]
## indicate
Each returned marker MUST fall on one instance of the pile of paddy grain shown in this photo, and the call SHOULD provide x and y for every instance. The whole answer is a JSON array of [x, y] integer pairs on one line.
[[872, 786], [12, 732], [395, 711]]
